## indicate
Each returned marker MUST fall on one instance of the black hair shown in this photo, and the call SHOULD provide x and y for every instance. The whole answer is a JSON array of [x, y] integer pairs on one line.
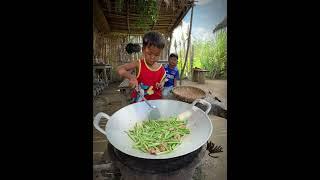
[[174, 55], [153, 39]]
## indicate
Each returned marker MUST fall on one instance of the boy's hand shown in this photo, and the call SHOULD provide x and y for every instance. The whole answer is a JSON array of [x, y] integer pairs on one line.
[[133, 82], [160, 85]]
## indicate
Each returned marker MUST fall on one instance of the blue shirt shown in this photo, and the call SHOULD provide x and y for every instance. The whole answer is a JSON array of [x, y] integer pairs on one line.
[[171, 74]]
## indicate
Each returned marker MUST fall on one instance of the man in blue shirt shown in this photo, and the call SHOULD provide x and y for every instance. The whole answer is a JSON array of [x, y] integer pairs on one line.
[[172, 75]]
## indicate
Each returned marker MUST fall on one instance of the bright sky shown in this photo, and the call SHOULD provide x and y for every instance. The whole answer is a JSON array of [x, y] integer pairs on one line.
[[206, 15]]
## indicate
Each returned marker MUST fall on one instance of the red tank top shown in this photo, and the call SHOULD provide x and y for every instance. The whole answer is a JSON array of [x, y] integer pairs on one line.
[[147, 79]]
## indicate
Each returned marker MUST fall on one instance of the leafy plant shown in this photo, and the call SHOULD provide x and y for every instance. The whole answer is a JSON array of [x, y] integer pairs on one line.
[[148, 13], [210, 55], [119, 5]]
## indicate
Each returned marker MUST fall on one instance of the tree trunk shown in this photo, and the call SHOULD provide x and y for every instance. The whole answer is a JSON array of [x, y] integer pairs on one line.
[[189, 38], [213, 76]]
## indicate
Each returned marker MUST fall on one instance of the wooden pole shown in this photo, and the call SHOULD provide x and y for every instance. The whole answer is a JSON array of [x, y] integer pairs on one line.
[[189, 38], [170, 44], [175, 46], [191, 60]]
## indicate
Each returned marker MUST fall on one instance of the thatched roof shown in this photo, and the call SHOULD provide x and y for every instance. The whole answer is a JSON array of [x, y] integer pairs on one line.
[[221, 25], [124, 18]]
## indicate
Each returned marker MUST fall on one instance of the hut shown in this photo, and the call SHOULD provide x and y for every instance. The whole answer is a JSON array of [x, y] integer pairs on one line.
[[119, 22], [221, 25]]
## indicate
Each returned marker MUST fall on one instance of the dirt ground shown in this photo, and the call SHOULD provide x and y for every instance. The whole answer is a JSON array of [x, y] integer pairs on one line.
[[210, 168]]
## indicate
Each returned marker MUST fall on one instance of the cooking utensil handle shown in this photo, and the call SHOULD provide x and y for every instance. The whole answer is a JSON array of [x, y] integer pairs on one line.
[[202, 101], [97, 120], [147, 102], [140, 92]]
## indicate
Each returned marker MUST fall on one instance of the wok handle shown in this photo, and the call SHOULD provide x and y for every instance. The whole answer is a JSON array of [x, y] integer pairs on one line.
[[202, 101], [97, 119]]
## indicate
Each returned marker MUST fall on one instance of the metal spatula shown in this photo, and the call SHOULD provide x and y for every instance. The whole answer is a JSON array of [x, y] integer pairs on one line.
[[154, 114]]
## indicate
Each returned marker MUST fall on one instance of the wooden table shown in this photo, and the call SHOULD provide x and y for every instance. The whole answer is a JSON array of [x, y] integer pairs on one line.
[[106, 69]]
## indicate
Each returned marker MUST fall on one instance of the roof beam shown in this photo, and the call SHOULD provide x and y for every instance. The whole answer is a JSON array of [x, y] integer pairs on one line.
[[127, 6], [182, 13], [99, 18], [159, 7]]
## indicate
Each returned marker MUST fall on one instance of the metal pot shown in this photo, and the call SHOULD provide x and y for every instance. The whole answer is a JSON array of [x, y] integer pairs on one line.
[[124, 119]]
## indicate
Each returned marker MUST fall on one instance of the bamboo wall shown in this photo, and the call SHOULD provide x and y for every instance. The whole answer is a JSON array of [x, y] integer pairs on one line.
[[110, 49]]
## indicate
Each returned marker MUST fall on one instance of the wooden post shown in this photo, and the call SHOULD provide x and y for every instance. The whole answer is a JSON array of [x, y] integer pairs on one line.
[[104, 50], [191, 60], [169, 44], [175, 46], [189, 38], [180, 55], [164, 53]]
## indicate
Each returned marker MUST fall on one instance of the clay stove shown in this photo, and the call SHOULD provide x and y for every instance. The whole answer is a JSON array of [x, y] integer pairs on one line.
[[179, 168]]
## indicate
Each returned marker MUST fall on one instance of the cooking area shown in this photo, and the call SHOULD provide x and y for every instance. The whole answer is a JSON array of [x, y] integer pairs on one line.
[[159, 91], [108, 161], [175, 168]]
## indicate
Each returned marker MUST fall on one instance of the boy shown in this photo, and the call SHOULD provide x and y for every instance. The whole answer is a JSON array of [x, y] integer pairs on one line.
[[172, 74], [150, 74]]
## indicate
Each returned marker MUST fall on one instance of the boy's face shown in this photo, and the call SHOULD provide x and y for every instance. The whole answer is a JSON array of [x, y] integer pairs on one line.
[[151, 54], [173, 61]]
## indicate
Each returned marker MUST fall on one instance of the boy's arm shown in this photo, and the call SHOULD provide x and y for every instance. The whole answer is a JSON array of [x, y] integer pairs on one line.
[[124, 71], [175, 79], [175, 82]]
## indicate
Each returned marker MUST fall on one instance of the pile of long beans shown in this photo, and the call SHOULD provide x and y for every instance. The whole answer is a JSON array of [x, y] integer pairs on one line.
[[158, 136]]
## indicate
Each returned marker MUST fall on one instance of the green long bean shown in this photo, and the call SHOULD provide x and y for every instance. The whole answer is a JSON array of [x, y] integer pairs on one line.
[[158, 137]]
